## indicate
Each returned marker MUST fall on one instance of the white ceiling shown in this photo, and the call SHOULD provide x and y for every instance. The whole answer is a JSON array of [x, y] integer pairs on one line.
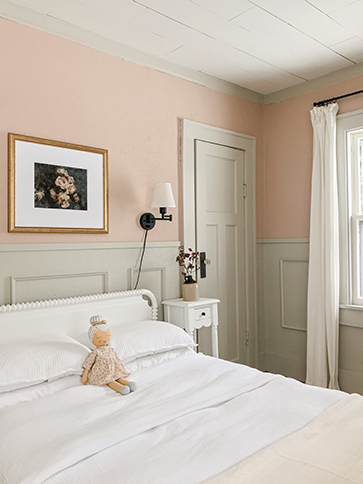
[[261, 45]]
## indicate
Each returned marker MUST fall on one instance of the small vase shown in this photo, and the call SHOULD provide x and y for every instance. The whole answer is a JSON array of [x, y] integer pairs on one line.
[[190, 289]]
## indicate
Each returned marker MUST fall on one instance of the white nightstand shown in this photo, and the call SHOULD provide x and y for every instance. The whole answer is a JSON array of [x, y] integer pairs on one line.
[[192, 315]]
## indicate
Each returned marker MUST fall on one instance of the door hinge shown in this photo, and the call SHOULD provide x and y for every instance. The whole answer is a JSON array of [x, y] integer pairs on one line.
[[245, 190], [247, 338]]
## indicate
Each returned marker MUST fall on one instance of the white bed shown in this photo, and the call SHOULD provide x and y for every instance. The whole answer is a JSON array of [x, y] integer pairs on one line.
[[191, 418]]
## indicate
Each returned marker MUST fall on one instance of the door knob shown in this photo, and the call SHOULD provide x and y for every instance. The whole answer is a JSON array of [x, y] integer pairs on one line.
[[207, 262]]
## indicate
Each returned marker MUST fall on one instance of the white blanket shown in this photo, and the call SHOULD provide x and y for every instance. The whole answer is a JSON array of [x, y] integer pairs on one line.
[[168, 431], [329, 450]]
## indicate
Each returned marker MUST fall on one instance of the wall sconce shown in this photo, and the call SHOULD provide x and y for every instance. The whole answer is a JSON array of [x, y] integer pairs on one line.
[[162, 199]]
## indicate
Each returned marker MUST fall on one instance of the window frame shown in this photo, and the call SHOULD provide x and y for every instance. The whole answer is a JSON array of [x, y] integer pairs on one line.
[[349, 126]]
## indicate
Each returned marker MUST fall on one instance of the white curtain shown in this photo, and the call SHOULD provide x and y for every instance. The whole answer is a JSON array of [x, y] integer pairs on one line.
[[323, 282]]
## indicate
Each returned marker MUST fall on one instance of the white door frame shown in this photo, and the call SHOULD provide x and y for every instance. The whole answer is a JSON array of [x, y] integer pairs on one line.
[[189, 132]]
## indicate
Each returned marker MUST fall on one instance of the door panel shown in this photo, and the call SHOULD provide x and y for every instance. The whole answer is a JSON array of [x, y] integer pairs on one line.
[[219, 178]]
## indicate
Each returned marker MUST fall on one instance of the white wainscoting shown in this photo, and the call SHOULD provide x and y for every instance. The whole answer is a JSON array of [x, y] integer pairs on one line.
[[47, 271], [282, 305], [282, 302], [293, 293]]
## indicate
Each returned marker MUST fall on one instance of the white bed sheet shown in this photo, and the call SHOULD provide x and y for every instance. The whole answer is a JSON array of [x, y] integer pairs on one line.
[[190, 419]]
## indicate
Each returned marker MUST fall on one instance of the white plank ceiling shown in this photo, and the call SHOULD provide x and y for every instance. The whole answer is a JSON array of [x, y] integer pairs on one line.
[[261, 45]]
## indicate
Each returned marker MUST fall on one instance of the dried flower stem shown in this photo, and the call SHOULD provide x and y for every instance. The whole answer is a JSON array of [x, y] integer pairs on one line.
[[188, 261]]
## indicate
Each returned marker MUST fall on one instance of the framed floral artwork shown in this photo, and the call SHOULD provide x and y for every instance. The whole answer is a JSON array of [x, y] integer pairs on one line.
[[56, 186]]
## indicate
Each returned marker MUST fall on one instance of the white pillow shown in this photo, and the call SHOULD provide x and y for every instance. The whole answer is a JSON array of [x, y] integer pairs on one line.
[[158, 359], [27, 363], [143, 338]]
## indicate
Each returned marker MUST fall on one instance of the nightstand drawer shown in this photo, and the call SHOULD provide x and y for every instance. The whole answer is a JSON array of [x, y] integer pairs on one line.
[[202, 313]]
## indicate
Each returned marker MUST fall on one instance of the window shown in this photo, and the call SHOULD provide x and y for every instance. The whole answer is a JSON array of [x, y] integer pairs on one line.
[[350, 189], [355, 153]]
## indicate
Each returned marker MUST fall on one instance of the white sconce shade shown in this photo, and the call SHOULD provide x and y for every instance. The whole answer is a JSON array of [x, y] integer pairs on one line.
[[163, 196]]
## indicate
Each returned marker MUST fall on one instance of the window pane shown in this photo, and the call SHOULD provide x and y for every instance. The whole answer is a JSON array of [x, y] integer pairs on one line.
[[360, 151], [360, 258]]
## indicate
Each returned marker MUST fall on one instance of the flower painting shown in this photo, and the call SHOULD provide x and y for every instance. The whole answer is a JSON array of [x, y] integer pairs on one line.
[[60, 187], [56, 186]]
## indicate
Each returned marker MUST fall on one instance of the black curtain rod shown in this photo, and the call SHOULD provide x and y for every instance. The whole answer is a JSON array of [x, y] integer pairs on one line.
[[328, 101]]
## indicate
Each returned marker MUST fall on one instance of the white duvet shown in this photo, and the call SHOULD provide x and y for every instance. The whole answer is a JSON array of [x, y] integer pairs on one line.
[[190, 419]]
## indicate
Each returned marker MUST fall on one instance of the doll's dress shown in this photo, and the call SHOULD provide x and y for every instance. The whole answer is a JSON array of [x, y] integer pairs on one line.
[[104, 366]]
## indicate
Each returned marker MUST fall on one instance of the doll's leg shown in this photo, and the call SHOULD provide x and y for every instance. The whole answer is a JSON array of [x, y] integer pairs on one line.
[[130, 384], [124, 390], [123, 381]]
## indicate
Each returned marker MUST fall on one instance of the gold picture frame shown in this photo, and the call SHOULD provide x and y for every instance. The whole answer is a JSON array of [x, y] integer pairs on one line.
[[55, 186]]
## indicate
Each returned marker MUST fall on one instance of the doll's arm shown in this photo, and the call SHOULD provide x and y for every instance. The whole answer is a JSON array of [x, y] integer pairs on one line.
[[87, 365], [85, 376]]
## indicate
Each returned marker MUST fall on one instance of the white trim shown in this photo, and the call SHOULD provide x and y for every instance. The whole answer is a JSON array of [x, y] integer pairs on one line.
[[314, 84], [346, 124], [351, 307], [351, 316], [189, 132], [350, 115]]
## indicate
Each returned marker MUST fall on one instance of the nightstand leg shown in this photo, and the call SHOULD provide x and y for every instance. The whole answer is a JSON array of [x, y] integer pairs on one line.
[[215, 340]]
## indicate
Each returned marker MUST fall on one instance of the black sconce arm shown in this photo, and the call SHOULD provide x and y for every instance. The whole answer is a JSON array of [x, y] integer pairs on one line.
[[148, 220]]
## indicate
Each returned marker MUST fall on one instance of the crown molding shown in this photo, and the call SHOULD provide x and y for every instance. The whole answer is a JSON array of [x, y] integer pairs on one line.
[[55, 26], [313, 84], [52, 25]]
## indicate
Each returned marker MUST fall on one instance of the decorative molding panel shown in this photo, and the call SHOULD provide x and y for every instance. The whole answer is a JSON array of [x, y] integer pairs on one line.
[[152, 278], [38, 288], [293, 293], [52, 271], [280, 276], [282, 289]]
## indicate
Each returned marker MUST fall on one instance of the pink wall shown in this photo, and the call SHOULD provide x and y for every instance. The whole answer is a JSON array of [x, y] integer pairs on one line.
[[287, 161], [53, 88], [57, 89]]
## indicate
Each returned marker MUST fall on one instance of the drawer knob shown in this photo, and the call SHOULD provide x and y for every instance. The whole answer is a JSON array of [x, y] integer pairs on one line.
[[203, 314]]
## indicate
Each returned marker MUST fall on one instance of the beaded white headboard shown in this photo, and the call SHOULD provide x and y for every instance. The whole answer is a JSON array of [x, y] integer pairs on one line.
[[71, 315]]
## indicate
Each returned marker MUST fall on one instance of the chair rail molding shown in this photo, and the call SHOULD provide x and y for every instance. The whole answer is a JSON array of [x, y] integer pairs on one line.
[[50, 271]]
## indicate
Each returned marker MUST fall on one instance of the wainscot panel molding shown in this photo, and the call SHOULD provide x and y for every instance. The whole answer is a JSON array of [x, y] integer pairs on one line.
[[282, 315], [293, 293], [151, 277], [44, 287], [49, 271], [282, 266]]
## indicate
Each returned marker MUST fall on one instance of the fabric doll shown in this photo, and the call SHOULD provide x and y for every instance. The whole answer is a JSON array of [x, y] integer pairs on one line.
[[102, 366]]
